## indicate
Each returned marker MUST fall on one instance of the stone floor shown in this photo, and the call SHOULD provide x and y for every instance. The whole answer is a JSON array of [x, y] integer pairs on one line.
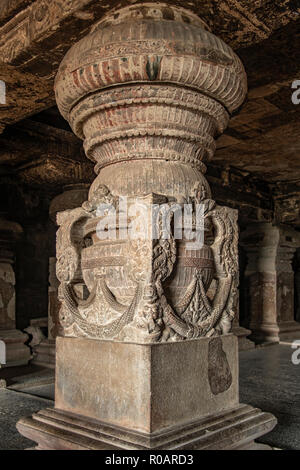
[[13, 405], [268, 380]]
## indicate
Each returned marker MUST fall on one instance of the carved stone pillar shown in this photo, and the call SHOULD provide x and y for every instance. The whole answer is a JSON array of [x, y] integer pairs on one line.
[[44, 354], [147, 351], [270, 281], [16, 353]]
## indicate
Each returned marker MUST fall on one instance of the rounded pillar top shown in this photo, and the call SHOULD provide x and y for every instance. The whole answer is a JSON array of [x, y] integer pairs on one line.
[[150, 43]]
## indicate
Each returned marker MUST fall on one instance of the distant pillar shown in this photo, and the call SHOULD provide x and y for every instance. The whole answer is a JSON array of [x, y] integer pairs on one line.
[[297, 285], [270, 281], [44, 354], [16, 353]]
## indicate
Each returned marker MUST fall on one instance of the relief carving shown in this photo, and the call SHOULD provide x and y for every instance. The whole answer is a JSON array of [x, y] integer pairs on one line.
[[150, 314]]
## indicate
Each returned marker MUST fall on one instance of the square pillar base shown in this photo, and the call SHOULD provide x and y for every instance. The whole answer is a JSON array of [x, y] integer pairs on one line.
[[16, 352], [289, 331], [234, 429], [112, 395], [242, 335], [44, 354]]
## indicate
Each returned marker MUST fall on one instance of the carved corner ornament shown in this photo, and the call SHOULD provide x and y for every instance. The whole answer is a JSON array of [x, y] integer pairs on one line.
[[122, 288]]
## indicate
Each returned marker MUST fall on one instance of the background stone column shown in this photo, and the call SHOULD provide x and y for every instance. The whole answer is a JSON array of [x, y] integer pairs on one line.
[[237, 328], [44, 353], [16, 351], [269, 277], [297, 284]]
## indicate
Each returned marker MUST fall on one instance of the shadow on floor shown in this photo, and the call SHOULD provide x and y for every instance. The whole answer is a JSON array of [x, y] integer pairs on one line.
[[32, 379]]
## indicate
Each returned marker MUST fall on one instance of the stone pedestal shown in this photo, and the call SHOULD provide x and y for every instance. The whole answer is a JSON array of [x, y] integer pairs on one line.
[[16, 353], [270, 282], [148, 265], [180, 395]]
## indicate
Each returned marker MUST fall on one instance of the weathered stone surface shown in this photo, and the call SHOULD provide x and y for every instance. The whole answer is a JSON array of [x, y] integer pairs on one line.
[[297, 284], [143, 387], [287, 204], [219, 373], [16, 353], [54, 326], [12, 405], [168, 405], [53, 157], [234, 429]]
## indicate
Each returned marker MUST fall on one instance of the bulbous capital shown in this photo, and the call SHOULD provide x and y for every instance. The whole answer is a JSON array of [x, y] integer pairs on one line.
[[154, 43]]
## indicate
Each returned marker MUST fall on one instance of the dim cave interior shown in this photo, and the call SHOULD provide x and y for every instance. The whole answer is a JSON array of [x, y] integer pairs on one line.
[[163, 104]]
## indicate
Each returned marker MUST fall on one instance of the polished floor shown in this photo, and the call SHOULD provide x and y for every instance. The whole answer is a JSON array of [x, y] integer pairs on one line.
[[268, 380]]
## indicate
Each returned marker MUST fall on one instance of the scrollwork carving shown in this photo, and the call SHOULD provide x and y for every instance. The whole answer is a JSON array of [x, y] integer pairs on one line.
[[150, 315]]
